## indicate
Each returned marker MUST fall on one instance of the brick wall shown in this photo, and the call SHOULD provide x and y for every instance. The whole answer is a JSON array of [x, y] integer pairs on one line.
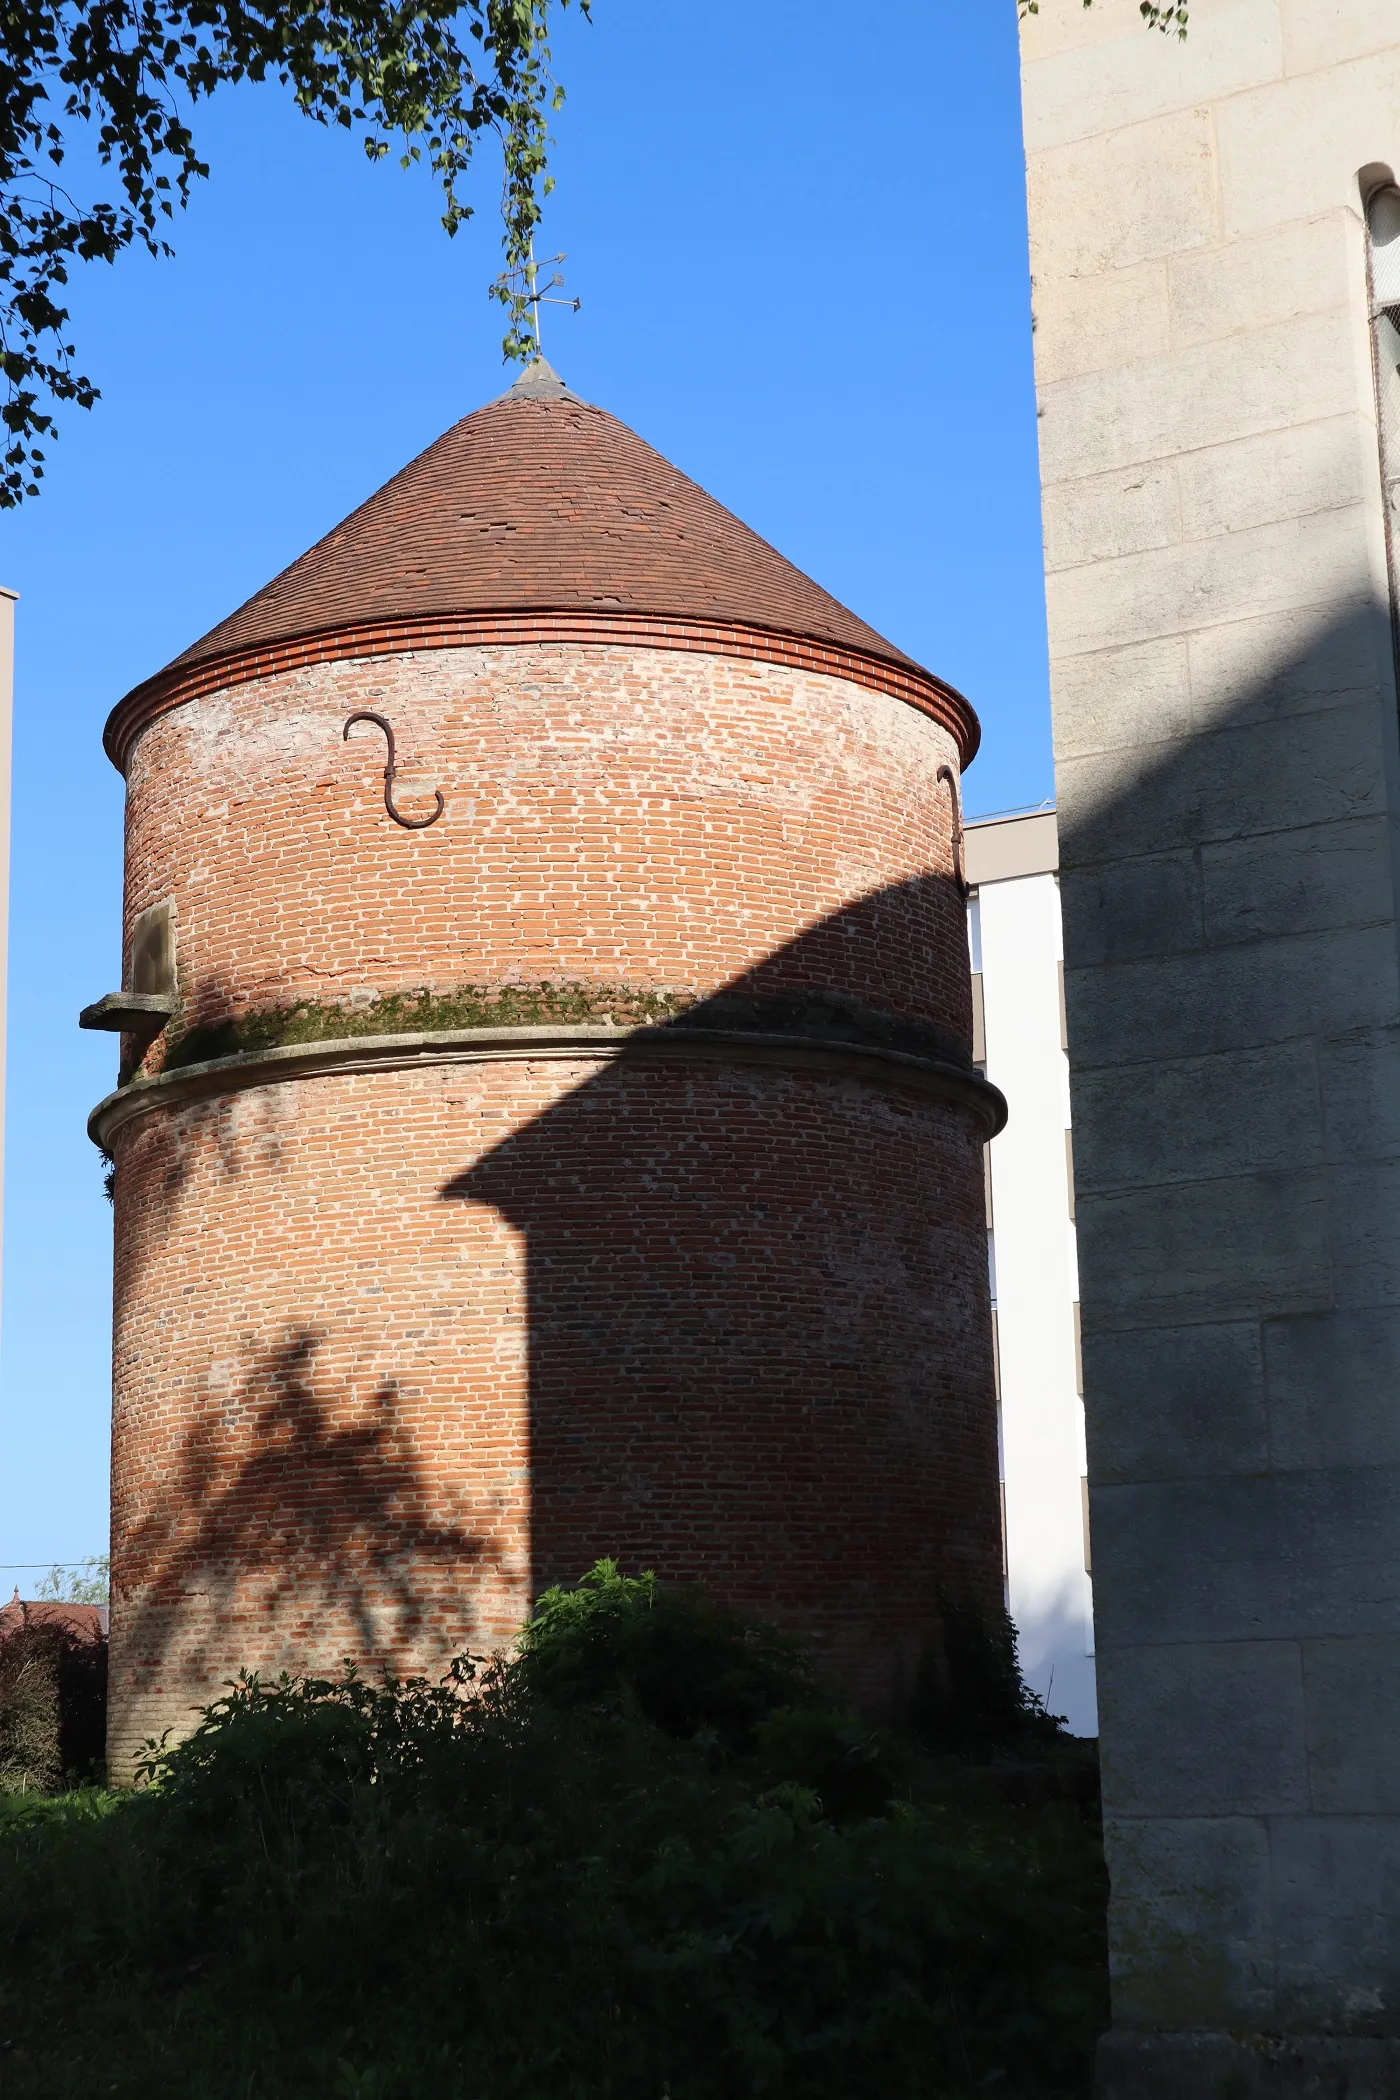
[[646, 817], [395, 1349]]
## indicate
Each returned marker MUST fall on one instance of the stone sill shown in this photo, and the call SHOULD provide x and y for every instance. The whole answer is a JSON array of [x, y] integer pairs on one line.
[[579, 1040]]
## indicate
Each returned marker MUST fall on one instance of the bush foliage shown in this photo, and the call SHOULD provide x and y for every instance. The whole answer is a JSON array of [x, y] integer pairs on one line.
[[647, 1859], [29, 1752], [53, 1701]]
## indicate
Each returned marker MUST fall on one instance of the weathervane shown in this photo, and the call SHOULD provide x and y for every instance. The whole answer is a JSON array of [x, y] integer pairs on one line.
[[538, 294]]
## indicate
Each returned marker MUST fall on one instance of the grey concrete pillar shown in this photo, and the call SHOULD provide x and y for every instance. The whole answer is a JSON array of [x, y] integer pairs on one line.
[[1228, 779]]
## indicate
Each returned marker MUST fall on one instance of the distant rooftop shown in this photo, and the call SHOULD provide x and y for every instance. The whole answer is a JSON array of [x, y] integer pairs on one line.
[[1012, 843], [1005, 816]]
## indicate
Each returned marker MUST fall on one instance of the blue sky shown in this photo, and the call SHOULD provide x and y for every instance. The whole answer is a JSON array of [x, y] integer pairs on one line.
[[803, 270]]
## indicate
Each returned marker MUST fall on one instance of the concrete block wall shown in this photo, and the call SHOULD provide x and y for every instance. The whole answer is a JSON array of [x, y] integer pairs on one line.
[[1228, 784]]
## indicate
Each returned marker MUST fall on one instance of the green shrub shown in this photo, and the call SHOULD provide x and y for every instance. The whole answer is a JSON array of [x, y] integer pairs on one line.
[[30, 1758], [591, 1873], [53, 1706], [972, 1701], [688, 1665]]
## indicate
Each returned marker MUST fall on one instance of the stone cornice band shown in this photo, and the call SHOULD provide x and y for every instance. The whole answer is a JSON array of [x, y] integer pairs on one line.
[[589, 1040], [181, 682]]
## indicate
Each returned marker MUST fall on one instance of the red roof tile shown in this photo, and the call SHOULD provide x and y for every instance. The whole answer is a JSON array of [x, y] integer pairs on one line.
[[537, 504], [84, 1622], [540, 502]]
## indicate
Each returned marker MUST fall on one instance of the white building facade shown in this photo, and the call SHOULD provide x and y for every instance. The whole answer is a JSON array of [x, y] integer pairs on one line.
[[1018, 978]]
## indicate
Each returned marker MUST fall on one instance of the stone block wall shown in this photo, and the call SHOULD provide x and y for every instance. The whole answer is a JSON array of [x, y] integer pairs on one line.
[[1228, 785]]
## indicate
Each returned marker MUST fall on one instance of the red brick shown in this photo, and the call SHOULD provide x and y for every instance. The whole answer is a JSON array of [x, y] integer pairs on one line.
[[393, 1349]]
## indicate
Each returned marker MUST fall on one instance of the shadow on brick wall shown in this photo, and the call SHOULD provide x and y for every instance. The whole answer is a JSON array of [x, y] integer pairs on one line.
[[759, 1335], [324, 1502]]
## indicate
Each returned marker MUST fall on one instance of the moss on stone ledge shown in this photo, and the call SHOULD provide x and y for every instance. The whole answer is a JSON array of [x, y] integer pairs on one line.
[[811, 1014], [425, 1013]]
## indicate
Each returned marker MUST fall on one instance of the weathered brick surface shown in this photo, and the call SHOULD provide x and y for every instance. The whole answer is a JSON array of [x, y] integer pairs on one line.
[[394, 1349], [368, 639], [616, 816]]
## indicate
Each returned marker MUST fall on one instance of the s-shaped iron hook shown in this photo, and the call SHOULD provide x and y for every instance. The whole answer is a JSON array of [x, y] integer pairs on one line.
[[959, 874], [365, 714]]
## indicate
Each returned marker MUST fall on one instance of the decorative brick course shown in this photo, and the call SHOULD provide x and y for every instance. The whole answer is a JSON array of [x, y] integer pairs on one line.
[[620, 816], [181, 681]]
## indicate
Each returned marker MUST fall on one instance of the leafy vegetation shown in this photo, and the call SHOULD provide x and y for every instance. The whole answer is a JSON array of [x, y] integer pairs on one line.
[[1166, 15], [122, 78], [53, 1705], [29, 1754], [86, 1581], [648, 1857]]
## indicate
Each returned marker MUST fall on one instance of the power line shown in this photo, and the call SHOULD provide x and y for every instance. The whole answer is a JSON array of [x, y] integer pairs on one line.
[[9, 1567]]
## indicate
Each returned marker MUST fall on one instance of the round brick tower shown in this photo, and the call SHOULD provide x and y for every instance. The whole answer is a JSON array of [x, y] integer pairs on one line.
[[547, 1125]]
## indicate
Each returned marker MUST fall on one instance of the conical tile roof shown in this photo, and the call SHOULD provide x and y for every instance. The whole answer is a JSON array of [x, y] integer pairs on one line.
[[538, 503]]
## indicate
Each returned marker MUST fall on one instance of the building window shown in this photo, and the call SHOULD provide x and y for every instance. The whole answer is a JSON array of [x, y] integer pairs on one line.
[[1383, 228], [152, 967]]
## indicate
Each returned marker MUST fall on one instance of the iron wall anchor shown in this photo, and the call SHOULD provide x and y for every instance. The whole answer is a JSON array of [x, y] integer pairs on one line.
[[365, 714], [959, 872]]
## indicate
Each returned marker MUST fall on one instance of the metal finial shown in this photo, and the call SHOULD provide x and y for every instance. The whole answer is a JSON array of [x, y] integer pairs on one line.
[[538, 294]]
